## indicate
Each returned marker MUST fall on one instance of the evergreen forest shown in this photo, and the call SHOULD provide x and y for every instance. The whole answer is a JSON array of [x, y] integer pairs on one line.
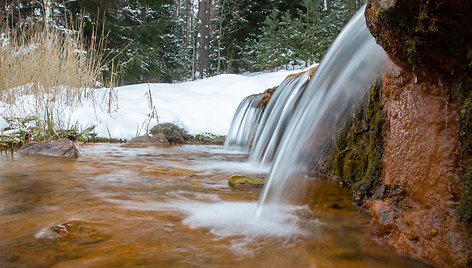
[[179, 40]]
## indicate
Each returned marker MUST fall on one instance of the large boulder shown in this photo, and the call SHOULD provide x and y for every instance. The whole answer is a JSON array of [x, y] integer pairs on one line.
[[58, 148]]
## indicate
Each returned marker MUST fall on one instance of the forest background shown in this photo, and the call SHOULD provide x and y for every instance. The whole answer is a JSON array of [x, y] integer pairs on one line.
[[180, 40]]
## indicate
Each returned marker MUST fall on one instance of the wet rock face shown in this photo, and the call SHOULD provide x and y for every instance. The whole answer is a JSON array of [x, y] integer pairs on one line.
[[59, 148], [355, 154], [414, 210], [424, 232], [429, 38], [427, 97], [422, 144]]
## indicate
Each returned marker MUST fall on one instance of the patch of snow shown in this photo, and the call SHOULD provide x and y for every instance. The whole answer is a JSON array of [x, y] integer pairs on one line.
[[201, 106], [3, 124]]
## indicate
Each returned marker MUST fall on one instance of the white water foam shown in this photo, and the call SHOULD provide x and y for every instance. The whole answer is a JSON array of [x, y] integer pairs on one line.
[[239, 218], [230, 219]]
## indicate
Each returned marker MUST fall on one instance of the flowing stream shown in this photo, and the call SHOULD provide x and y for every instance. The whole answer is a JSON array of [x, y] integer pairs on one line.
[[244, 123], [170, 207], [343, 78], [276, 117]]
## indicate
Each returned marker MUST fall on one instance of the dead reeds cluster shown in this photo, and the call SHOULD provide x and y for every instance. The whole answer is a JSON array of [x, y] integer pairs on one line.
[[51, 64]]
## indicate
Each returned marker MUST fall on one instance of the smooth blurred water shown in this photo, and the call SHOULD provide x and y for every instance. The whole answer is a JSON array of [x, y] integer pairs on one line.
[[344, 76], [244, 123], [275, 119], [165, 207]]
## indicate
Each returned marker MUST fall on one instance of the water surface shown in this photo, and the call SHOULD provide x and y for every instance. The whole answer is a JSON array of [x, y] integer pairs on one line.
[[170, 207]]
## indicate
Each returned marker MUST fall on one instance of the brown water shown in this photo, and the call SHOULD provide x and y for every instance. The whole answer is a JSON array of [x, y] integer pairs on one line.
[[169, 207]]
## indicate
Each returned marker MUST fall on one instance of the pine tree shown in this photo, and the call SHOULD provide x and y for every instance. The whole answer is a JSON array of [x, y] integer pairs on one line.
[[144, 37], [169, 40]]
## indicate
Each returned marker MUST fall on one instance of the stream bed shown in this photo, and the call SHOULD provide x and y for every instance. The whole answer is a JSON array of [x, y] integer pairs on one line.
[[116, 206]]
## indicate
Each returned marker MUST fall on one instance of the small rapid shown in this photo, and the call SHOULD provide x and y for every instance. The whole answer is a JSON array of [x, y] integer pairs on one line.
[[244, 123], [276, 117], [350, 66]]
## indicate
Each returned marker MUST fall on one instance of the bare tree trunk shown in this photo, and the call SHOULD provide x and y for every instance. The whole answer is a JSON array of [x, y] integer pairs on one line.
[[203, 37], [192, 31], [218, 68]]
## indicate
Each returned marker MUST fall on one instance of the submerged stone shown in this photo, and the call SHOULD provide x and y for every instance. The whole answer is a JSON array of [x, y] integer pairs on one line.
[[73, 232], [241, 181], [58, 148]]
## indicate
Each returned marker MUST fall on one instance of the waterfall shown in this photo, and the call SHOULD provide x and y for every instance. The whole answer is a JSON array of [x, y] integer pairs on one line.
[[277, 116], [244, 123], [350, 66]]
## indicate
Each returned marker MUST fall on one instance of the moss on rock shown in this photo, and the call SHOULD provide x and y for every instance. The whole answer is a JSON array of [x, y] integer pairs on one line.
[[241, 181], [429, 38], [209, 139], [357, 151], [462, 94], [465, 209]]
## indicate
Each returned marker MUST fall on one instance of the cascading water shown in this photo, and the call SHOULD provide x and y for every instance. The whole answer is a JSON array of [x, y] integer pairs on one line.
[[351, 64], [277, 116], [244, 123]]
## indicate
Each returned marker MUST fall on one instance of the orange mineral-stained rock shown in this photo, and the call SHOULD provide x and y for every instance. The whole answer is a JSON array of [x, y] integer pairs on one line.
[[422, 156]]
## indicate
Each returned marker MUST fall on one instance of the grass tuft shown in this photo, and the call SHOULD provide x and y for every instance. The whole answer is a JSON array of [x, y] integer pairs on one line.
[[46, 69]]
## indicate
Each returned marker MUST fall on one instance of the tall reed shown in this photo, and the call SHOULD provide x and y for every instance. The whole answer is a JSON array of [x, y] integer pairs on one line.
[[50, 64]]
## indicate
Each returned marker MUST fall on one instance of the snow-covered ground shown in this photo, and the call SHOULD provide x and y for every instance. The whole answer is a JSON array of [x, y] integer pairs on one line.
[[202, 106], [3, 124]]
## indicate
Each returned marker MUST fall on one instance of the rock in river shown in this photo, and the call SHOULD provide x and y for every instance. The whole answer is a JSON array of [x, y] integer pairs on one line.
[[144, 141], [245, 182], [60, 148]]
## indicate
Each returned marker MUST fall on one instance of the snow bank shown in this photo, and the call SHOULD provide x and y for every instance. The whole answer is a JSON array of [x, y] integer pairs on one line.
[[202, 106]]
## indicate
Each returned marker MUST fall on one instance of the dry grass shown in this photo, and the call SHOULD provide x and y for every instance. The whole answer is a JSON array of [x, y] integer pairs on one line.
[[52, 65], [46, 70]]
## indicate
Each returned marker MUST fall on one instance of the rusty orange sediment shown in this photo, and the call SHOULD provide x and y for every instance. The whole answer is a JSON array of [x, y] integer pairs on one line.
[[266, 96], [311, 71]]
